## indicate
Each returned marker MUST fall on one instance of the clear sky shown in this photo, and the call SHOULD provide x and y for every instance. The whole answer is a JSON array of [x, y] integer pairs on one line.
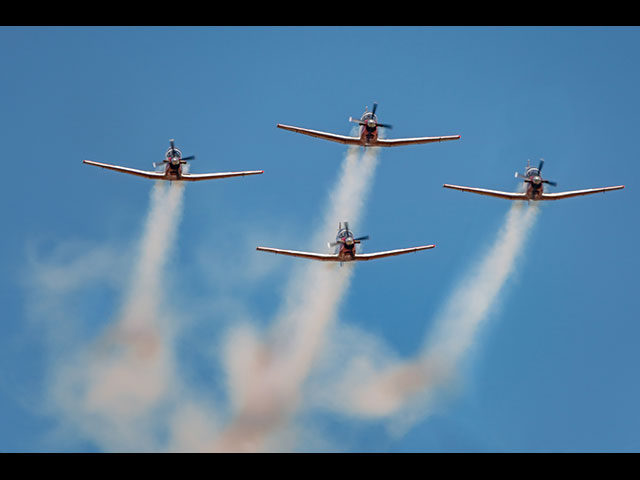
[[553, 365]]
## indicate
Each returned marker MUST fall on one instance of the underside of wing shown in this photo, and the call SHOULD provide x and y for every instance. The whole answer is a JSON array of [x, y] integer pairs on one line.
[[396, 142], [390, 253], [491, 193], [577, 193], [194, 177], [324, 135], [292, 253], [131, 171]]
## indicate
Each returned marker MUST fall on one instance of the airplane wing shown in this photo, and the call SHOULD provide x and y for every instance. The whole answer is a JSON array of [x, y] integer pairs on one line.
[[132, 171], [188, 177], [492, 193], [194, 177], [396, 142], [292, 253], [324, 135], [390, 253], [577, 193]]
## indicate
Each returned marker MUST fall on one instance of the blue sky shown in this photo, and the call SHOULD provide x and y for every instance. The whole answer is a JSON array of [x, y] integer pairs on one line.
[[554, 366]]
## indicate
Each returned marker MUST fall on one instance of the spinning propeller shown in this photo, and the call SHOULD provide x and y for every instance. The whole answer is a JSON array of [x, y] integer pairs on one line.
[[348, 240], [370, 122], [535, 178], [172, 153]]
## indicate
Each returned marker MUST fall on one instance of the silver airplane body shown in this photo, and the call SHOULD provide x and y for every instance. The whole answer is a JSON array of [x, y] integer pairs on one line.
[[368, 133], [172, 164], [534, 190], [345, 249]]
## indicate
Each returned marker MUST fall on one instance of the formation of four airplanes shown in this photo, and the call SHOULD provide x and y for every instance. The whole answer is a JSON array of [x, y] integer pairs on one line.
[[345, 244]]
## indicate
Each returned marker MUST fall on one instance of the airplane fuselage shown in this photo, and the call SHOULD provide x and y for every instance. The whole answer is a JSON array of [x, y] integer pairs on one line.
[[369, 131], [173, 163], [346, 246], [534, 192], [173, 171], [534, 183], [347, 254]]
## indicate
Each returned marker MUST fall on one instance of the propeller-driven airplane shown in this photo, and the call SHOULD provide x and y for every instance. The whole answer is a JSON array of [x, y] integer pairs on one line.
[[172, 168], [345, 249], [534, 188], [368, 133]]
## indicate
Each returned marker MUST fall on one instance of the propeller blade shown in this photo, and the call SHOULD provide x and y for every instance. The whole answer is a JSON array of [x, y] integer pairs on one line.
[[366, 237], [375, 105], [171, 144], [356, 120], [540, 166], [192, 157], [550, 183], [346, 226], [384, 125]]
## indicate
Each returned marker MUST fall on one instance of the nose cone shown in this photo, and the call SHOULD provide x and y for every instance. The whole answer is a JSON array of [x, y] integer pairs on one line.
[[371, 123], [537, 180], [348, 241]]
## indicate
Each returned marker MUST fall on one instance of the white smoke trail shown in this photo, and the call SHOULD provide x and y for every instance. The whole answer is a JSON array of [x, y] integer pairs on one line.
[[404, 389], [266, 375], [111, 389], [140, 368]]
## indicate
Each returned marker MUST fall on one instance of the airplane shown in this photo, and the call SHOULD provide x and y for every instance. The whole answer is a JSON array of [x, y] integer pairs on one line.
[[345, 250], [534, 190], [172, 168], [368, 133]]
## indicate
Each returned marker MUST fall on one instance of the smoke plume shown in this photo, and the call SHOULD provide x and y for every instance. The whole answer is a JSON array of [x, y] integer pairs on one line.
[[404, 389], [116, 389], [266, 374], [112, 389]]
